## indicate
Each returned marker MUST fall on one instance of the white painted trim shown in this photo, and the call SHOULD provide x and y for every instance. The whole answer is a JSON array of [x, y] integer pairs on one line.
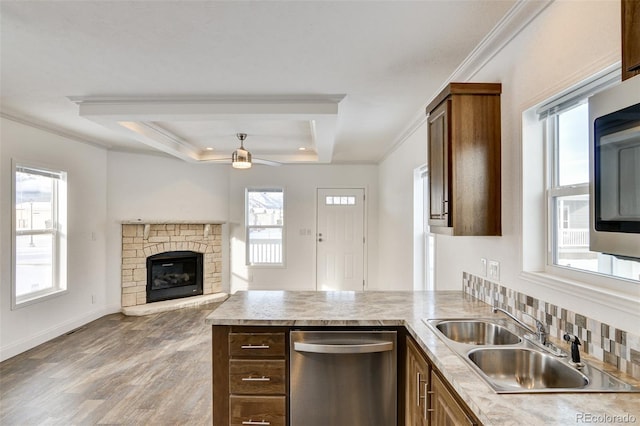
[[23, 345], [515, 20], [611, 298], [56, 131]]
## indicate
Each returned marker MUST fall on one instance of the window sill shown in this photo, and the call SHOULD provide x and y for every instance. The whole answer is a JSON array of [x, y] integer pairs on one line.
[[623, 295], [36, 298]]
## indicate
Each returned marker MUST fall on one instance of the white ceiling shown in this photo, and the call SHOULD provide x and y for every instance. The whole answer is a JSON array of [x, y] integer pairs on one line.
[[343, 79]]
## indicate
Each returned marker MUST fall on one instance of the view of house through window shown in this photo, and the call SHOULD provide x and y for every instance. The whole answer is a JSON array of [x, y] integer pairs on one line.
[[568, 196], [39, 243], [265, 226]]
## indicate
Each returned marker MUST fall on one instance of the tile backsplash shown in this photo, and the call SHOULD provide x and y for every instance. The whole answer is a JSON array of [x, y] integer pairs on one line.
[[617, 347]]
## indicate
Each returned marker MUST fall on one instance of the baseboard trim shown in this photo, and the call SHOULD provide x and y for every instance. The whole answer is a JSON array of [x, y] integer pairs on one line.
[[23, 345]]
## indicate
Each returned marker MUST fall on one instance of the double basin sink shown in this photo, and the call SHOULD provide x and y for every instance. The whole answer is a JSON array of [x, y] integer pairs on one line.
[[510, 361]]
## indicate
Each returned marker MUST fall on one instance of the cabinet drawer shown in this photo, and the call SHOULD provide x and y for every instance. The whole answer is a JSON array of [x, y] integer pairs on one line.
[[257, 410], [257, 376], [256, 344]]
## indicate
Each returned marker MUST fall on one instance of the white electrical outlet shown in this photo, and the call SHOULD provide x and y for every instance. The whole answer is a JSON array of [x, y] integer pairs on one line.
[[483, 267], [494, 270]]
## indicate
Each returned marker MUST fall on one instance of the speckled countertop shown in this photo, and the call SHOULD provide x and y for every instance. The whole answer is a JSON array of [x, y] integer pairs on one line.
[[285, 308]]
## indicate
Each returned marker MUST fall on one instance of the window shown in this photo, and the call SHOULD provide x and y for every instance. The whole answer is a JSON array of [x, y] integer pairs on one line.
[[424, 240], [265, 226], [330, 200], [567, 153], [39, 243]]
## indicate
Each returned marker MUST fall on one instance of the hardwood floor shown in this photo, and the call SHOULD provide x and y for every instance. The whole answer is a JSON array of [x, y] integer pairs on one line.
[[152, 370]]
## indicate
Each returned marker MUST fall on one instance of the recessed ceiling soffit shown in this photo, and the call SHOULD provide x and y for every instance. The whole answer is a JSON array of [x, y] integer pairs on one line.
[[208, 122]]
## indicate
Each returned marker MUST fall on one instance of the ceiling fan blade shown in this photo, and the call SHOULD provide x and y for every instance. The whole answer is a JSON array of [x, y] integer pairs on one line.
[[266, 162], [216, 160]]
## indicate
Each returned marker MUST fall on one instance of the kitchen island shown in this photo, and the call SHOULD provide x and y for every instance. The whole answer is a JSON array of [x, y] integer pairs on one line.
[[406, 311]]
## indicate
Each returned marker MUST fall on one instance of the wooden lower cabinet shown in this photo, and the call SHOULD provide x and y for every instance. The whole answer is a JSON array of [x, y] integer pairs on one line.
[[251, 385], [258, 410], [445, 409], [416, 386], [428, 400], [250, 376]]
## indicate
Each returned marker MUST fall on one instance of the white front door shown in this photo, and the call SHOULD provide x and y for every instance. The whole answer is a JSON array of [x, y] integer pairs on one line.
[[340, 239]]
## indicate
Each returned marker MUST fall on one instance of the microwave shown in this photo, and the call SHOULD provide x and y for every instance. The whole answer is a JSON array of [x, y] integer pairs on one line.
[[614, 136]]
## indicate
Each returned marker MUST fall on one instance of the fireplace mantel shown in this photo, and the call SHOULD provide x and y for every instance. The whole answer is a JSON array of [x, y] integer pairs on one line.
[[171, 222]]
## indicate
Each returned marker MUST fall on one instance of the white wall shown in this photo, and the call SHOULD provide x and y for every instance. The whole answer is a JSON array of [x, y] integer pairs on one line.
[[86, 168], [568, 42], [153, 187], [395, 209], [300, 183], [159, 188]]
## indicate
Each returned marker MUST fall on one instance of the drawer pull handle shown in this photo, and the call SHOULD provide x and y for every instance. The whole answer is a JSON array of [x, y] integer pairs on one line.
[[256, 379], [255, 346], [251, 422]]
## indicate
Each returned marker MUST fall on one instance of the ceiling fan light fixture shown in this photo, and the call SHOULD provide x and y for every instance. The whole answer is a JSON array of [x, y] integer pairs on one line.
[[241, 159]]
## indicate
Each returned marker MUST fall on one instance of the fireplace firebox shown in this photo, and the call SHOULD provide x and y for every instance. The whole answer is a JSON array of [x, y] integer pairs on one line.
[[173, 275]]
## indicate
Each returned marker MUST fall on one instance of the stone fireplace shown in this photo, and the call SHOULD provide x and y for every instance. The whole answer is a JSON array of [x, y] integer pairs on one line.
[[143, 242]]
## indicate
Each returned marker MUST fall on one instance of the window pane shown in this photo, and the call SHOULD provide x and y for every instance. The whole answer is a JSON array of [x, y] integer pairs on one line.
[[573, 146], [34, 201], [572, 241], [34, 263], [572, 226], [265, 245], [265, 208]]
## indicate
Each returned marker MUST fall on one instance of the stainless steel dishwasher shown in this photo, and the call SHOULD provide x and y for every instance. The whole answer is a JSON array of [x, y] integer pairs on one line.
[[343, 378]]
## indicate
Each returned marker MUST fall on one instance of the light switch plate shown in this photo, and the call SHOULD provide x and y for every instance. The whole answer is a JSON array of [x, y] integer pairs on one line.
[[483, 267], [494, 270]]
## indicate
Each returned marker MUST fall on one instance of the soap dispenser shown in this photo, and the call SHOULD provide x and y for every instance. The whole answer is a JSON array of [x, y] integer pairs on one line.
[[575, 350]]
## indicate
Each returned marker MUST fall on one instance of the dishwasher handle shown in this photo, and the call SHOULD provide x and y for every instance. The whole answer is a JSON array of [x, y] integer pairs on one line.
[[339, 348]]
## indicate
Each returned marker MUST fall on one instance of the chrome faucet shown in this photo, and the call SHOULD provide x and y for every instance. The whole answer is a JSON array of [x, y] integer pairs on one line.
[[540, 332]]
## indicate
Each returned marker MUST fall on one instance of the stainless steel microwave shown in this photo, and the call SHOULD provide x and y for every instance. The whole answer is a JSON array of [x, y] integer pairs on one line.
[[614, 115]]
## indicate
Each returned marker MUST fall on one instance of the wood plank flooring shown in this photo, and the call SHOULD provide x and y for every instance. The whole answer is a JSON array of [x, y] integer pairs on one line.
[[117, 370]]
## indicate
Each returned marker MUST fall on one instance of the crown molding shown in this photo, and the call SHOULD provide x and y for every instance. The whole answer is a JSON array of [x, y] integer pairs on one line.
[[511, 24], [54, 130]]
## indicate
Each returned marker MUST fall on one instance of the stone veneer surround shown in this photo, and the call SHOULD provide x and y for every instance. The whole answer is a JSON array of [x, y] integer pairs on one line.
[[140, 241], [617, 347]]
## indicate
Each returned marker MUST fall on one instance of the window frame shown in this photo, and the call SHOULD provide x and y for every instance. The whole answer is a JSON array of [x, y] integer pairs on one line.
[[58, 231], [548, 114], [553, 189], [619, 294], [248, 228]]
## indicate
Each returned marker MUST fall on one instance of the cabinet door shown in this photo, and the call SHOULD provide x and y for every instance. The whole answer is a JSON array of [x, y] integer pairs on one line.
[[630, 38], [445, 409], [439, 170], [416, 387]]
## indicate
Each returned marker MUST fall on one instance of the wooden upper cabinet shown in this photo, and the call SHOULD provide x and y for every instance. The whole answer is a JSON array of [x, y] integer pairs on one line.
[[630, 38], [464, 160]]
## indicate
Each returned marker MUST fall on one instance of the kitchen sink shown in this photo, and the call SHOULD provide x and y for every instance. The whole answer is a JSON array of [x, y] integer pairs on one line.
[[475, 332], [522, 368], [511, 360]]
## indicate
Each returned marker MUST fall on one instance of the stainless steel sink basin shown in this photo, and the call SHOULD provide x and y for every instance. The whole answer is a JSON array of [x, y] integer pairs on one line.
[[510, 360], [476, 332], [525, 369]]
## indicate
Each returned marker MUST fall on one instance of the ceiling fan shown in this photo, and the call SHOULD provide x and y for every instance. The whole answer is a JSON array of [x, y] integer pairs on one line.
[[241, 158]]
